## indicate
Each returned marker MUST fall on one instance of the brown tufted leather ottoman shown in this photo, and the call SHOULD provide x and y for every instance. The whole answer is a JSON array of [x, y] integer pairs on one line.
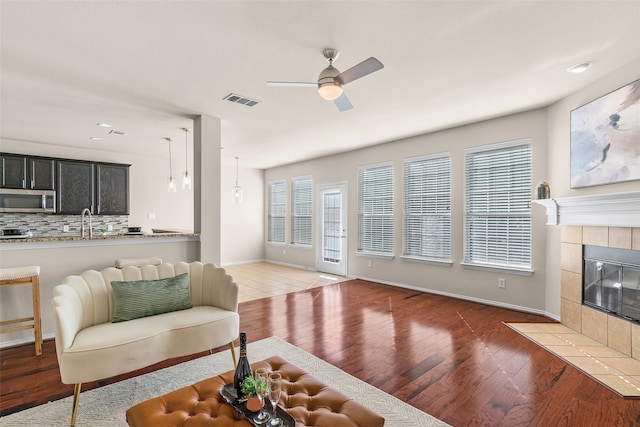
[[309, 401]]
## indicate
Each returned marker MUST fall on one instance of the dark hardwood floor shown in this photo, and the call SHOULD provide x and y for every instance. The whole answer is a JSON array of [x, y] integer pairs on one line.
[[454, 359]]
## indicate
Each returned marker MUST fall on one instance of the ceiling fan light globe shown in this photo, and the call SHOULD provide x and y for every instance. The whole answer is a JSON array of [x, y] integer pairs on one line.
[[330, 91]]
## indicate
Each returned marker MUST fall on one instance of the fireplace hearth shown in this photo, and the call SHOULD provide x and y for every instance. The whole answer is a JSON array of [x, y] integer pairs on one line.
[[611, 281]]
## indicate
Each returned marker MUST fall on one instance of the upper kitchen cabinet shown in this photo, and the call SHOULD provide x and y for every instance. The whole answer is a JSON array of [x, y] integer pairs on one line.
[[101, 187], [14, 171], [75, 189], [42, 173], [25, 172], [112, 189]]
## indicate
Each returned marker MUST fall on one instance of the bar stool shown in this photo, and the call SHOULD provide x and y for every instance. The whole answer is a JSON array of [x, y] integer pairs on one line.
[[23, 276]]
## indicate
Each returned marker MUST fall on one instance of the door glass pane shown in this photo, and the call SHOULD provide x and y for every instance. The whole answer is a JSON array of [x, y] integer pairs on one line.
[[332, 227], [631, 292], [611, 287], [592, 282]]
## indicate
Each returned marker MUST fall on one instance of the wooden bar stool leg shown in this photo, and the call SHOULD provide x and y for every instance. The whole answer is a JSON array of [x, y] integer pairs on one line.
[[23, 276], [37, 322]]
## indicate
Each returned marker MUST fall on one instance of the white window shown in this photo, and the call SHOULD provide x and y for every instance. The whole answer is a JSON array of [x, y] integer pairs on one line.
[[277, 211], [497, 205], [375, 209], [301, 208], [427, 207]]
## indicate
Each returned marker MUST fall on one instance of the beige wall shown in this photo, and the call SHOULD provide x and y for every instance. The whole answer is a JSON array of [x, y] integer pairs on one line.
[[242, 224], [549, 129], [521, 291], [558, 166]]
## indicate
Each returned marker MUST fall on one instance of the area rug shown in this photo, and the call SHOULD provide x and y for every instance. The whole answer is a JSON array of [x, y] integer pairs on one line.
[[106, 406]]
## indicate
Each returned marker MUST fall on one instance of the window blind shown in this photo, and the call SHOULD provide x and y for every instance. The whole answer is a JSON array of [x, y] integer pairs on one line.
[[427, 207], [277, 211], [375, 208], [497, 204], [301, 210]]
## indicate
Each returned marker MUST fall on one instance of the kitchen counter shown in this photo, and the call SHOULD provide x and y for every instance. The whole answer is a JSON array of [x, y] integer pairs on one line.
[[96, 240]]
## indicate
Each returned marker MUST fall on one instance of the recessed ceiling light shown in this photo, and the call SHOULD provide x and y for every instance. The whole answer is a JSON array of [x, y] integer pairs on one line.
[[580, 68], [96, 138], [104, 125]]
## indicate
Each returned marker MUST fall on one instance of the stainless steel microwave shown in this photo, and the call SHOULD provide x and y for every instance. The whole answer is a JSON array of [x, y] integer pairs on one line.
[[43, 201]]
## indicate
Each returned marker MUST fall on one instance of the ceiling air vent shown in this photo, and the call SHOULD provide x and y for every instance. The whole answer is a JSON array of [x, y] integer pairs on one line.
[[239, 99], [116, 132]]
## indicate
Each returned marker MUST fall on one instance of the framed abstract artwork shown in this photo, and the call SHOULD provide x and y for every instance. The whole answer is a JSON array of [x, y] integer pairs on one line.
[[605, 139]]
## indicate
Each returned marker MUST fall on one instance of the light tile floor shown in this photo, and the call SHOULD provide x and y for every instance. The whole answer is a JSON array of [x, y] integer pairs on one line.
[[264, 279], [606, 365]]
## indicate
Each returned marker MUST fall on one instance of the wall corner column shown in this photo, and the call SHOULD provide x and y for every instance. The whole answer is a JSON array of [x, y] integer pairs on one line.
[[207, 142]]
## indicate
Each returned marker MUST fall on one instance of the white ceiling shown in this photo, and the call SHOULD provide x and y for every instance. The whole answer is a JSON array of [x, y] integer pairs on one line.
[[149, 67]]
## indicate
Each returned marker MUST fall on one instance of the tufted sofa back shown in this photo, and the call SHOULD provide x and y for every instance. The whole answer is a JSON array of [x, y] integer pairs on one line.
[[92, 294]]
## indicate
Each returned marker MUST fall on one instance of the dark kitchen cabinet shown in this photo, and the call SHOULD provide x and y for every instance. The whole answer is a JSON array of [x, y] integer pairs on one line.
[[14, 171], [25, 172], [75, 189], [101, 187], [42, 172], [112, 189]]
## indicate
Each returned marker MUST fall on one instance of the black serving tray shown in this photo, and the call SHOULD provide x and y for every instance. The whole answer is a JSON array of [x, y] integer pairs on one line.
[[228, 393]]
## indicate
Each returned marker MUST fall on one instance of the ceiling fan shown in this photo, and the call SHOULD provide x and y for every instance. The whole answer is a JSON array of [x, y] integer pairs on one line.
[[331, 80]]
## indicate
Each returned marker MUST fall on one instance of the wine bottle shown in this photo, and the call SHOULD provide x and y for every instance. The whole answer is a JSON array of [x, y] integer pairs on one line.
[[243, 370]]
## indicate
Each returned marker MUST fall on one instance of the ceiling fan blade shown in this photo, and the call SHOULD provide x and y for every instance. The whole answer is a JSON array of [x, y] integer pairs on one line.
[[298, 84], [367, 66], [343, 103]]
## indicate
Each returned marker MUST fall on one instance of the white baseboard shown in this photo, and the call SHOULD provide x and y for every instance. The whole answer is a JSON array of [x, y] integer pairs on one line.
[[286, 264], [466, 298], [242, 262], [22, 341]]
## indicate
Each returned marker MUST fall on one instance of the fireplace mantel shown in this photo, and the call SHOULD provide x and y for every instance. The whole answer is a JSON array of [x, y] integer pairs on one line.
[[614, 210]]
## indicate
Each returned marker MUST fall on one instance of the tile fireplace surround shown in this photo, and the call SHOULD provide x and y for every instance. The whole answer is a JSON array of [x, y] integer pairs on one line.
[[614, 332], [611, 220]]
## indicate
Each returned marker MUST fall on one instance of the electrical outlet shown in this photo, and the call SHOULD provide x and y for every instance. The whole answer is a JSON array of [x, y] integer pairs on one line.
[[284, 252], [65, 228], [110, 227], [152, 215], [502, 283], [369, 263]]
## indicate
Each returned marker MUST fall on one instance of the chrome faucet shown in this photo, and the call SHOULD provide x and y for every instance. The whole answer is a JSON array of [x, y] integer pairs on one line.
[[84, 211]]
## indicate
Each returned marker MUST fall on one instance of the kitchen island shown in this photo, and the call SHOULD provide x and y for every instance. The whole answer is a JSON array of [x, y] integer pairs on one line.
[[62, 256]]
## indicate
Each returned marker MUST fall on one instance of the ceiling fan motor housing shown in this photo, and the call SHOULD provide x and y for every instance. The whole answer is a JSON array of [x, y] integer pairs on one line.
[[329, 87]]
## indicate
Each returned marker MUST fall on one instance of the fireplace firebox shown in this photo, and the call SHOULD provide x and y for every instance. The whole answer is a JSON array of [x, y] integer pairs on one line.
[[611, 281]]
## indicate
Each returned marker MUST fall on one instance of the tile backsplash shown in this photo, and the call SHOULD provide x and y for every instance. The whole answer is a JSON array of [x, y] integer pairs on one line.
[[48, 225]]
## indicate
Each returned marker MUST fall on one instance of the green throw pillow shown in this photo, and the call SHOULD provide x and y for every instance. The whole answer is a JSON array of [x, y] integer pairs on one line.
[[142, 298]]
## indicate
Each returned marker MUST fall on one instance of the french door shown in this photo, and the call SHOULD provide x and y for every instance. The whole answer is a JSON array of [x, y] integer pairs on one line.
[[332, 228]]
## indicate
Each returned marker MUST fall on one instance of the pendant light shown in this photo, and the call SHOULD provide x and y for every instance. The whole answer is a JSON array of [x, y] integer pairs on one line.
[[171, 188], [186, 179], [237, 190]]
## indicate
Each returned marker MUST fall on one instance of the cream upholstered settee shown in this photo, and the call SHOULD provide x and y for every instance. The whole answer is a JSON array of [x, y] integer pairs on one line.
[[91, 347]]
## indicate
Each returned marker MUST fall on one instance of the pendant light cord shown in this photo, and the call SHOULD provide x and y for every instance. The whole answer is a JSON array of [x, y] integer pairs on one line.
[[170, 163], [236, 171]]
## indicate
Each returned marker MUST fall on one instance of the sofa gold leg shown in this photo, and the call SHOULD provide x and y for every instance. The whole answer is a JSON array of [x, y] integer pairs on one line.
[[233, 354], [76, 398]]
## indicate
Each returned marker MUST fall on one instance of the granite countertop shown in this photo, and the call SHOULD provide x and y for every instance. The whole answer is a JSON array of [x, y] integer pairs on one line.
[[95, 237]]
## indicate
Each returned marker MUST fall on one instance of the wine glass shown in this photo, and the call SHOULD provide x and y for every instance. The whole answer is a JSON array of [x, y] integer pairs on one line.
[[275, 389], [262, 375]]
